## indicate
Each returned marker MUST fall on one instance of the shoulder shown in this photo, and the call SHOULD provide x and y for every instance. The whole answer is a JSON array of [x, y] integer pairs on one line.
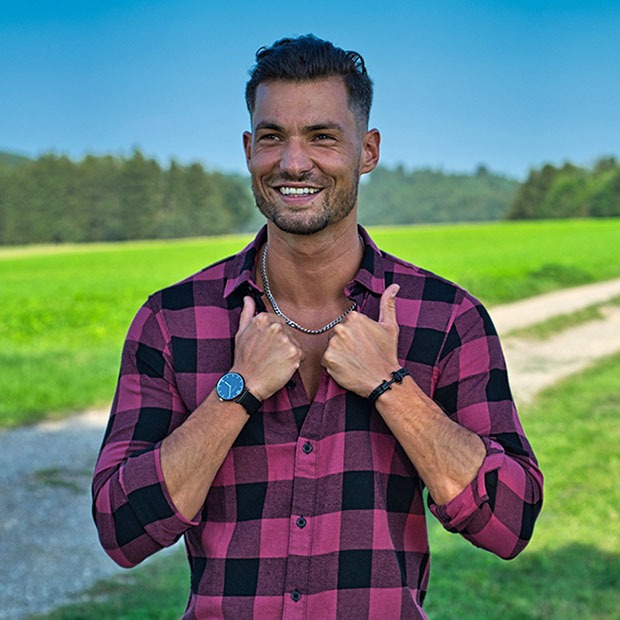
[[420, 283], [196, 289], [415, 282], [176, 309], [430, 301], [214, 285]]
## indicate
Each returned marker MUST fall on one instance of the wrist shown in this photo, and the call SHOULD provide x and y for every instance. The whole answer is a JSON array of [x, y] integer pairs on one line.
[[232, 387], [397, 377]]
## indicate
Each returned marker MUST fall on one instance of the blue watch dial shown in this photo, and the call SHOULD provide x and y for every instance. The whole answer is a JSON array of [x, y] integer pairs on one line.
[[230, 386]]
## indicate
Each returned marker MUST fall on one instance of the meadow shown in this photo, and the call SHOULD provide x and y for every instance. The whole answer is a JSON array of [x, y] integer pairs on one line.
[[65, 309]]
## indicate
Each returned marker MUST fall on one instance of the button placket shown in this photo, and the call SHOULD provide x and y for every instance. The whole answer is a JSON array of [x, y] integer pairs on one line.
[[300, 533], [303, 503]]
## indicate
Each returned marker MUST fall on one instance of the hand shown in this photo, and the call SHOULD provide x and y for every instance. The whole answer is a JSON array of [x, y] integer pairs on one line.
[[266, 355], [362, 352]]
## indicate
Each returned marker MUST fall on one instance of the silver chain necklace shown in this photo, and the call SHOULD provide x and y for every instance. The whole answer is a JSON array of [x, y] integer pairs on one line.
[[276, 308]]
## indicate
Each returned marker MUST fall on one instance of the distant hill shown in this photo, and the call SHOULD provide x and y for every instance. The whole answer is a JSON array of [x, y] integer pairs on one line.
[[395, 196], [12, 160]]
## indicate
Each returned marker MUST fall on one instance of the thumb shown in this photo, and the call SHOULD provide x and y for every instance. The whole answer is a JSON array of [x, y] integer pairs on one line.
[[387, 305], [247, 313]]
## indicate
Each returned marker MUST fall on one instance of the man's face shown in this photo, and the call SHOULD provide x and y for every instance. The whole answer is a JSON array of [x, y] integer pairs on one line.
[[306, 154]]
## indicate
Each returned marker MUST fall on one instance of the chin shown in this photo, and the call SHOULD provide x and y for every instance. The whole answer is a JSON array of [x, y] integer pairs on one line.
[[308, 221], [299, 228], [300, 223]]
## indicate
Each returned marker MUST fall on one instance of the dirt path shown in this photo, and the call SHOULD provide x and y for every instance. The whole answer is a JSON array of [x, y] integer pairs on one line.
[[48, 546], [538, 309], [534, 364]]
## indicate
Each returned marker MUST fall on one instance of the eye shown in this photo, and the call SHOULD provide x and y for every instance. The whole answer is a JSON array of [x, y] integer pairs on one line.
[[267, 137], [321, 137]]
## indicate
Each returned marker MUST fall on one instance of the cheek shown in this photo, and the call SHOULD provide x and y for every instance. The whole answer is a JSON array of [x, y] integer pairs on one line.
[[262, 161]]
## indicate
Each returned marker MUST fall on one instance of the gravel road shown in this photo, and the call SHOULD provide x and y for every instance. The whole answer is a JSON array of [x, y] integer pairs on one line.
[[48, 544], [49, 551]]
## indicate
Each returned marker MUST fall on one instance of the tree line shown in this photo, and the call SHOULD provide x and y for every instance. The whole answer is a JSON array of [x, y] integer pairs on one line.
[[394, 196], [54, 199], [569, 192]]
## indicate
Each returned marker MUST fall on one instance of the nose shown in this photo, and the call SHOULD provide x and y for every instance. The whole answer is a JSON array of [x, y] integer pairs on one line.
[[295, 159]]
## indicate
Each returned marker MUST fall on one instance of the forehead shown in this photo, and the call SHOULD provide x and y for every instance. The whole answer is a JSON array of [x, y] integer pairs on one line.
[[310, 102]]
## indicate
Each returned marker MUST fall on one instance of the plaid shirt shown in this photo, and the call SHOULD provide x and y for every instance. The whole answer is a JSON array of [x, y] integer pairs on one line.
[[316, 511]]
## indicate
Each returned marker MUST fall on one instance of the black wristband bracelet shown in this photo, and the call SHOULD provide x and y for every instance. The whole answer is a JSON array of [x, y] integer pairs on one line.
[[397, 377]]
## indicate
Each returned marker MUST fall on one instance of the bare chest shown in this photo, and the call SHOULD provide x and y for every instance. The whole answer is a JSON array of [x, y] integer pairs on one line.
[[313, 347]]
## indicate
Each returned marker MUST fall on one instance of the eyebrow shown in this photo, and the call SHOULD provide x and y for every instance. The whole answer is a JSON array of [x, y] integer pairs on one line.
[[270, 125], [267, 125], [320, 126]]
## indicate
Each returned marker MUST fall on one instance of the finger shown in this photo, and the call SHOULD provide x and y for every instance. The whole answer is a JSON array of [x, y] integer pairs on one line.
[[387, 305], [295, 341], [247, 313]]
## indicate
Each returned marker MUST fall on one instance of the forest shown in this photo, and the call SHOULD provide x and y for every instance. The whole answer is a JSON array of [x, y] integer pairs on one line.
[[395, 196], [569, 191], [54, 199]]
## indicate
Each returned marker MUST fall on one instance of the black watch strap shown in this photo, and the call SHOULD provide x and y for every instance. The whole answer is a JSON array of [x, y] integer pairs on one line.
[[249, 402]]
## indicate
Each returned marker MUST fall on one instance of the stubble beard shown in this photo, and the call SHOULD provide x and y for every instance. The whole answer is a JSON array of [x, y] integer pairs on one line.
[[333, 208]]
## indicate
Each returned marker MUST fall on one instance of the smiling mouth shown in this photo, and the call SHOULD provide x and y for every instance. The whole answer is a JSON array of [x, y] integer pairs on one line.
[[298, 191]]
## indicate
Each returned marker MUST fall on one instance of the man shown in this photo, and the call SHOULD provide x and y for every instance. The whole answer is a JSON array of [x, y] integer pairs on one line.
[[284, 408]]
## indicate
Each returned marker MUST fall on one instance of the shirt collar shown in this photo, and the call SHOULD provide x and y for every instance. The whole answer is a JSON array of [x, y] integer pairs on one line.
[[240, 274], [371, 274]]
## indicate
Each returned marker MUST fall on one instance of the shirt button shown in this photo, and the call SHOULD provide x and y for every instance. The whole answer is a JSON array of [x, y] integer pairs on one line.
[[291, 384], [301, 522], [296, 595], [307, 447]]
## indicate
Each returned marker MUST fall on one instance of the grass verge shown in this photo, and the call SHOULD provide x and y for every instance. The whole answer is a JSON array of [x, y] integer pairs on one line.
[[571, 570], [156, 591]]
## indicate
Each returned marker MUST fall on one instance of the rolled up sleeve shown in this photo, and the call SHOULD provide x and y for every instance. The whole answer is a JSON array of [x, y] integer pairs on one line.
[[132, 509], [498, 509]]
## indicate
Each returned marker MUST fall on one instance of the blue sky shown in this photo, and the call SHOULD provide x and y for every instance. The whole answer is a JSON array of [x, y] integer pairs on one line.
[[508, 84]]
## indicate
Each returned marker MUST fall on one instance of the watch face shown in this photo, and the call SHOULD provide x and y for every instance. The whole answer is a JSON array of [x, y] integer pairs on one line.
[[230, 386]]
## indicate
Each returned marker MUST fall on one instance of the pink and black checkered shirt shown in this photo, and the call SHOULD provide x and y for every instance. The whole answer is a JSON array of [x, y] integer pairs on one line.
[[316, 512]]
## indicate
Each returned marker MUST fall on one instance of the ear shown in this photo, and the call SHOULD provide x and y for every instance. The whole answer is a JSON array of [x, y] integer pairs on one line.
[[247, 148], [370, 151]]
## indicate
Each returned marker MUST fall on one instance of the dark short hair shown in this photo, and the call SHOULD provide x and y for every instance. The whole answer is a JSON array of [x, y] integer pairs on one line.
[[307, 58]]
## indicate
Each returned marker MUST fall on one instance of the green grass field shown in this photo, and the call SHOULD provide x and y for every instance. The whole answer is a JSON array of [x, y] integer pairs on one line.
[[65, 310], [570, 571]]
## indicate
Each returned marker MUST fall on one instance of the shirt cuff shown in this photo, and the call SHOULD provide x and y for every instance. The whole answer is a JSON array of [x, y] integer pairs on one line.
[[142, 481], [458, 512]]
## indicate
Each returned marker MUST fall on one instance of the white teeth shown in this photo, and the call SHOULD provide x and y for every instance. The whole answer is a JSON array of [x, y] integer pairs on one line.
[[297, 191]]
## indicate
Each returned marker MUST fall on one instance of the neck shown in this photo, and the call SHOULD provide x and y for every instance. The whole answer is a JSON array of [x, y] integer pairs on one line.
[[312, 270]]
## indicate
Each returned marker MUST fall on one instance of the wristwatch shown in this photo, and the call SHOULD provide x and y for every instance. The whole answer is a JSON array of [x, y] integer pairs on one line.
[[231, 387]]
